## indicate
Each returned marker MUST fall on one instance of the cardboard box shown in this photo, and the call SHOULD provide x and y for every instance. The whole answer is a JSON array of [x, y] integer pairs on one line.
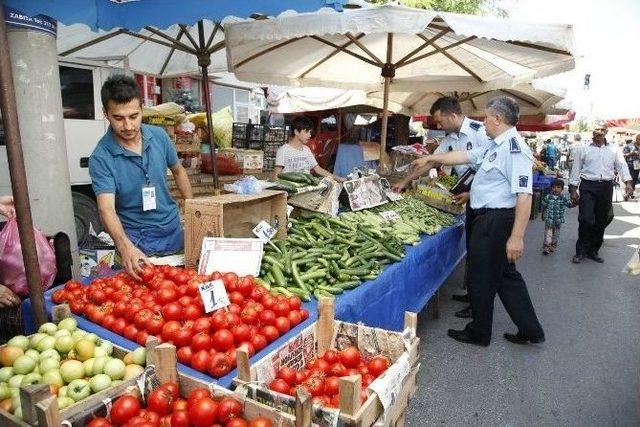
[[247, 160], [231, 215]]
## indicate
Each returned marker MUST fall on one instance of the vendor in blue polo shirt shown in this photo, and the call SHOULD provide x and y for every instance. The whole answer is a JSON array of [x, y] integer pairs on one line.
[[128, 171]]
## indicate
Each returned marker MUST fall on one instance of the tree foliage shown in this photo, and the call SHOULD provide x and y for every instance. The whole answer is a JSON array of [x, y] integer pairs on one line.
[[471, 7]]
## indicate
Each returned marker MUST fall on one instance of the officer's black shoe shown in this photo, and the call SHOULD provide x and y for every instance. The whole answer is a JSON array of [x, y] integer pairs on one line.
[[465, 313], [577, 259], [460, 298], [521, 339], [595, 258], [465, 337]]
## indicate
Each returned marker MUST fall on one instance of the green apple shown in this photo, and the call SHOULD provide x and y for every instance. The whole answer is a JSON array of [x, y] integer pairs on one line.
[[78, 334], [46, 343], [31, 378], [132, 371], [139, 356], [69, 324], [98, 365], [64, 402], [53, 377], [62, 391], [88, 367], [35, 338], [47, 365], [36, 370], [34, 354], [72, 354], [15, 381], [100, 351], [107, 346], [4, 391], [71, 370], [65, 344], [84, 349], [92, 337], [50, 354], [100, 382], [62, 333], [78, 389], [23, 365], [6, 373], [48, 328], [18, 412], [14, 391], [115, 369], [116, 382], [19, 341], [15, 403]]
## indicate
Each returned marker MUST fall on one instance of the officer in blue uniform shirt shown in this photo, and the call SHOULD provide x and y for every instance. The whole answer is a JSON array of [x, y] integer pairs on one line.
[[463, 134], [501, 204], [128, 171]]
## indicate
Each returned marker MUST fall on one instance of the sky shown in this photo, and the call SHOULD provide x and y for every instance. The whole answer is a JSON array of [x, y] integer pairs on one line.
[[607, 34]]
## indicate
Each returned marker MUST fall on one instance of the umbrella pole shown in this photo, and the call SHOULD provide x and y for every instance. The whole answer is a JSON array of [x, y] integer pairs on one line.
[[388, 72], [204, 60], [19, 178]]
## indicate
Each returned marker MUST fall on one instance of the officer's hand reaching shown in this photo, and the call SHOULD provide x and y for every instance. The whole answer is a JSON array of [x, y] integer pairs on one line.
[[515, 248], [399, 186], [133, 259], [7, 208], [462, 198], [421, 163]]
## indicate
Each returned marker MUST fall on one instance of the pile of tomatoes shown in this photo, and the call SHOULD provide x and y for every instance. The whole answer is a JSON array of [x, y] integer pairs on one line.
[[165, 408], [320, 378], [167, 304]]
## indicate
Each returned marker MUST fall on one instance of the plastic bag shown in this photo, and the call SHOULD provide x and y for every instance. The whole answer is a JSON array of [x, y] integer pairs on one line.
[[633, 266], [222, 122], [12, 273], [248, 185]]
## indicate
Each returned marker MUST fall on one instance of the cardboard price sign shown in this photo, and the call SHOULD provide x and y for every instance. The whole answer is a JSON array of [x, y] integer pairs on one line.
[[390, 215], [264, 231], [240, 256], [214, 295]]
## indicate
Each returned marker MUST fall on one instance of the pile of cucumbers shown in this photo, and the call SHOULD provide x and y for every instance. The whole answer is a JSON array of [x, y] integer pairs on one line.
[[291, 182]]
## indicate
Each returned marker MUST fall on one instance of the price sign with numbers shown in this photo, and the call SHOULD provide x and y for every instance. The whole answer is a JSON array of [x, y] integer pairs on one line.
[[390, 215], [394, 197], [264, 231], [214, 295]]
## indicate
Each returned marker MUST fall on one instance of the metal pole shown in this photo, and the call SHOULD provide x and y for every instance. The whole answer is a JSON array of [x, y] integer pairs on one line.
[[204, 60], [388, 72], [19, 178]]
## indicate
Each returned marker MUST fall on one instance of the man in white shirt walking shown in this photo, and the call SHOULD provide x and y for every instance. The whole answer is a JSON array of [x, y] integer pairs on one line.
[[593, 172]]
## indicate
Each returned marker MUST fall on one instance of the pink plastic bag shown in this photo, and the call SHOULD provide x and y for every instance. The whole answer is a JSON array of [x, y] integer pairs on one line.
[[12, 272]]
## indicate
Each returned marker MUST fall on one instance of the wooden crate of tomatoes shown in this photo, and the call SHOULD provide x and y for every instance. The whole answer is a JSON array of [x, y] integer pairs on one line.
[[355, 375]]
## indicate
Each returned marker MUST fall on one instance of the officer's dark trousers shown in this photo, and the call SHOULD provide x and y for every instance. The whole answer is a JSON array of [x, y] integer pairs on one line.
[[467, 231], [595, 213], [491, 273]]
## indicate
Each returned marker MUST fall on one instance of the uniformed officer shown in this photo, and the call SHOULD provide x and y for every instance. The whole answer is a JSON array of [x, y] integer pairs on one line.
[[463, 134], [501, 204]]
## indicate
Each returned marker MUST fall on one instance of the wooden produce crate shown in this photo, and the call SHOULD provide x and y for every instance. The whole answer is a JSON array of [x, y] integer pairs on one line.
[[231, 215], [40, 407], [249, 161], [402, 348], [437, 198]]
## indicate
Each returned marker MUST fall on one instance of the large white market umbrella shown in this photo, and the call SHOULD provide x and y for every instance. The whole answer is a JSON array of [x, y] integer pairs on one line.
[[396, 49]]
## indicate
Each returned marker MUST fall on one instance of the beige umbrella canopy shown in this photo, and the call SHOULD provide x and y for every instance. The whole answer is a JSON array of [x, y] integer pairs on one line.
[[395, 49]]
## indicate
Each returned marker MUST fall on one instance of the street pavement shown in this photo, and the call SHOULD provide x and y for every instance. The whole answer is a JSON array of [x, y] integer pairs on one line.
[[587, 373]]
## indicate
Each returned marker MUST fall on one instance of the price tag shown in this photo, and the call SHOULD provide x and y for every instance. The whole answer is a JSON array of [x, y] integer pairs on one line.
[[394, 197], [240, 256], [264, 231], [390, 215], [214, 295]]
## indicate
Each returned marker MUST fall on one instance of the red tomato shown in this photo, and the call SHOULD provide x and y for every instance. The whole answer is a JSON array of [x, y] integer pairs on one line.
[[228, 409], [257, 293], [294, 303], [362, 368], [261, 422], [203, 412], [288, 374], [172, 311], [192, 288], [233, 319], [124, 408], [378, 365], [133, 309], [350, 357], [270, 332], [130, 332], [330, 355], [107, 321], [241, 333], [169, 329], [120, 308], [283, 325], [202, 324], [304, 314], [183, 336], [222, 340], [229, 278], [184, 355], [267, 317], [99, 422], [280, 385], [172, 388], [245, 285], [331, 386], [94, 314], [141, 338], [160, 400], [201, 341], [147, 273], [236, 298], [281, 308], [219, 321], [338, 369], [268, 301], [97, 296], [220, 365], [181, 278], [154, 324], [238, 422], [59, 296], [185, 300], [301, 376], [315, 385], [180, 419], [294, 318], [196, 395], [77, 307], [320, 365], [249, 315], [258, 341], [179, 405], [142, 317], [201, 360], [367, 379], [192, 312], [118, 325]]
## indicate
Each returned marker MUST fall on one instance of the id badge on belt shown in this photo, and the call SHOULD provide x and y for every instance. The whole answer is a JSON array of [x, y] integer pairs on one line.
[[148, 198]]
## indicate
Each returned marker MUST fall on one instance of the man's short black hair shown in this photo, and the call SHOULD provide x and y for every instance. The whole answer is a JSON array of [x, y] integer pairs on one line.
[[301, 123], [120, 89], [447, 105], [557, 183]]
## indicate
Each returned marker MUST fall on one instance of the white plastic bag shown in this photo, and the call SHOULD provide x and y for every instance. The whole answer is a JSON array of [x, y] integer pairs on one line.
[[633, 266]]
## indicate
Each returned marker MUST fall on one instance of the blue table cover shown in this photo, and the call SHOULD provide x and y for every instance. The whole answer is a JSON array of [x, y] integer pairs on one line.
[[382, 302]]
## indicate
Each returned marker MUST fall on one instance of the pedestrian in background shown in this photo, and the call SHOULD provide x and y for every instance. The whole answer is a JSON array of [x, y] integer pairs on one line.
[[554, 205], [631, 153]]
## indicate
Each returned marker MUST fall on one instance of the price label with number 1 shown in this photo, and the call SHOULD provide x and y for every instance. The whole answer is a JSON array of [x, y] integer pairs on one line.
[[264, 231], [214, 295]]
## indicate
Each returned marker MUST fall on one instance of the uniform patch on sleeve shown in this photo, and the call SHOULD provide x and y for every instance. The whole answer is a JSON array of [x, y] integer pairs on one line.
[[493, 156], [469, 146], [523, 180], [513, 143], [475, 125]]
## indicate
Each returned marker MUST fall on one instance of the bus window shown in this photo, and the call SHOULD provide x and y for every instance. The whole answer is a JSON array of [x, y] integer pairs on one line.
[[77, 93]]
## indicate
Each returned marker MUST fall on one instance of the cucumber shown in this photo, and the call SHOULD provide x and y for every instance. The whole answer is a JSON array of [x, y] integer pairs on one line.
[[278, 276], [263, 282], [304, 295]]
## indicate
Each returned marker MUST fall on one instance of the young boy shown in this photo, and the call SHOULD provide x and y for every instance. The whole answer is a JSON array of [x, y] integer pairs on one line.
[[554, 205], [295, 156]]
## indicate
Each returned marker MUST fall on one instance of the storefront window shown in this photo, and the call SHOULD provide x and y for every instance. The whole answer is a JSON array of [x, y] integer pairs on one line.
[[77, 93]]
